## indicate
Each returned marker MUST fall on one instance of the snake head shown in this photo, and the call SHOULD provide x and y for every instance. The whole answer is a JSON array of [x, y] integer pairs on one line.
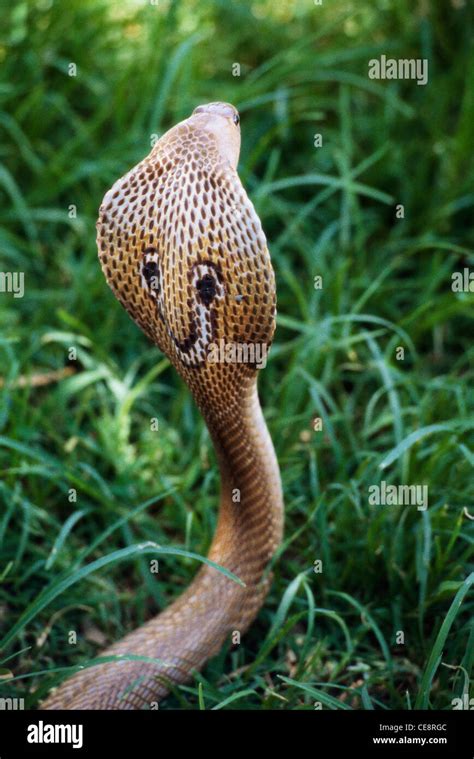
[[183, 250]]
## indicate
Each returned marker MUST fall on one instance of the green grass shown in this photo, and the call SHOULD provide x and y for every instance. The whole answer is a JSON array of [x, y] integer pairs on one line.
[[83, 565]]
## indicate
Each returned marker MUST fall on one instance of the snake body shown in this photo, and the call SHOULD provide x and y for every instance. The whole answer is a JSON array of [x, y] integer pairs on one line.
[[184, 252]]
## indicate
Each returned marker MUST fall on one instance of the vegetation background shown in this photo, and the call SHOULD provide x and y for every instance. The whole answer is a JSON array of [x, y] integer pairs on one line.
[[66, 565]]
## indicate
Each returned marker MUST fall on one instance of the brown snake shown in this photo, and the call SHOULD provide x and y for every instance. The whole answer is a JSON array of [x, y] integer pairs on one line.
[[184, 252]]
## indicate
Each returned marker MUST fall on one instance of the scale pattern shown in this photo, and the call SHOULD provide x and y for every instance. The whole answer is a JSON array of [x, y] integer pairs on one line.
[[183, 250]]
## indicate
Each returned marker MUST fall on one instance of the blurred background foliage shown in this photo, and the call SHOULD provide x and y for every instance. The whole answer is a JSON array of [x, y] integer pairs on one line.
[[328, 211]]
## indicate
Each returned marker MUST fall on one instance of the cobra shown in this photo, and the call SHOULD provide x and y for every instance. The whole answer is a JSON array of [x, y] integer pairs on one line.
[[184, 252]]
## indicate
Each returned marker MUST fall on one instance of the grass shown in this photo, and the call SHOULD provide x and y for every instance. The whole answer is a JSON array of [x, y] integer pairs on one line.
[[87, 488]]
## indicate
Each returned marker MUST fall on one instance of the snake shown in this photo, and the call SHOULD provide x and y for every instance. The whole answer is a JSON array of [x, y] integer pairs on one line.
[[183, 250]]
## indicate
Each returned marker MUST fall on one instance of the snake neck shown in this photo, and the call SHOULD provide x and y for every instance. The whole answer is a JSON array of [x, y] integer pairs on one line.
[[250, 520]]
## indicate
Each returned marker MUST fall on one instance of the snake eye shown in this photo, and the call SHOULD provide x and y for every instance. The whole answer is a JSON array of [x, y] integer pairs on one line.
[[236, 119], [206, 288]]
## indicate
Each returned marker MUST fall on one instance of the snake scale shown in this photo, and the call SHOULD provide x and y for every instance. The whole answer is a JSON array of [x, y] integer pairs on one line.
[[183, 250]]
